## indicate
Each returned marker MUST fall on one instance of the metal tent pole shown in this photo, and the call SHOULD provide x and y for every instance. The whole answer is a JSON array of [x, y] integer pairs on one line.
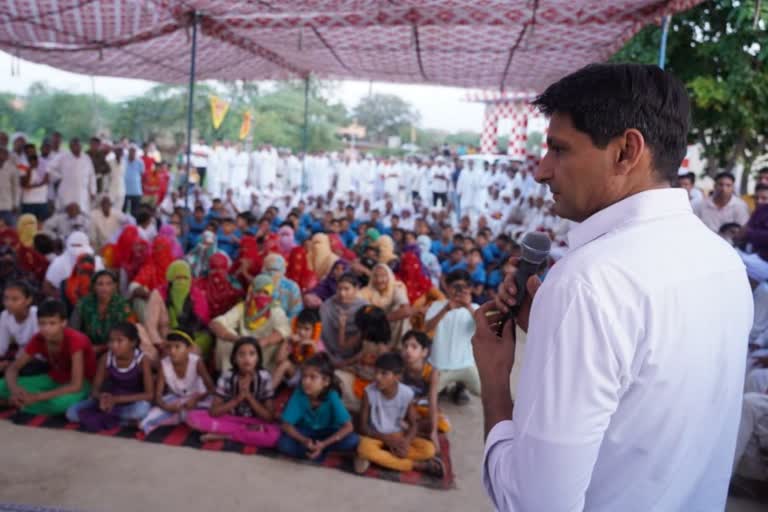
[[305, 138], [190, 109], [664, 34]]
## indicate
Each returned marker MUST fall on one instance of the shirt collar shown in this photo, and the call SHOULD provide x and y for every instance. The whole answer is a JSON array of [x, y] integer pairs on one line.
[[643, 206]]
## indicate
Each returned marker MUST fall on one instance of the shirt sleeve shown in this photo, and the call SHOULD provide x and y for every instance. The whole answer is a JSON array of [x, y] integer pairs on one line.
[[433, 310], [568, 390], [5, 335], [280, 322], [222, 385], [742, 214], [340, 413], [35, 346], [292, 412], [231, 318]]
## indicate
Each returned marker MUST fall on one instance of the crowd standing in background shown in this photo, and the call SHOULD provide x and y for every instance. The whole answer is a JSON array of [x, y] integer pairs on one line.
[[130, 297]]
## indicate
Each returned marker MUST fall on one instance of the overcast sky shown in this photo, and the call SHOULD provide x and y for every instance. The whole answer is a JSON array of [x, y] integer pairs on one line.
[[440, 107]]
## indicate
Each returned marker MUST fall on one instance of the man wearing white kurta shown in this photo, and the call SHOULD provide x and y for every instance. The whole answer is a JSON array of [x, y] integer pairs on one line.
[[268, 167], [77, 182], [630, 393]]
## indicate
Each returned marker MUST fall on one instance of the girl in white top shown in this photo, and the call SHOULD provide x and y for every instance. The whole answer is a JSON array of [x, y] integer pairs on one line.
[[18, 323], [183, 384]]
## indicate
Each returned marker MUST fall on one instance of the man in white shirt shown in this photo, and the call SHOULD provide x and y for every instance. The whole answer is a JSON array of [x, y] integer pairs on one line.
[[723, 206], [77, 179], [201, 152], [10, 192], [440, 180], [630, 393], [106, 222], [63, 224]]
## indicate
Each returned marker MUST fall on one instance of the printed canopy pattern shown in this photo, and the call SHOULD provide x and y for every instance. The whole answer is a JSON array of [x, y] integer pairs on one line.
[[513, 44]]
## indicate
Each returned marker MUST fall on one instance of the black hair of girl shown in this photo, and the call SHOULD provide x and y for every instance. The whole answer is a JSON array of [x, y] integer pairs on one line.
[[23, 286], [373, 324], [256, 382], [104, 272], [128, 330], [323, 364]]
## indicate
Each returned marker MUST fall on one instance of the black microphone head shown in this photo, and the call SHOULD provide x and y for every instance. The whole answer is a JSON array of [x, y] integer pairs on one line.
[[535, 247]]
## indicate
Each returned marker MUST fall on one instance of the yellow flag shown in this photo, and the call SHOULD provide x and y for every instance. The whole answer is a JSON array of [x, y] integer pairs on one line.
[[245, 128], [219, 108]]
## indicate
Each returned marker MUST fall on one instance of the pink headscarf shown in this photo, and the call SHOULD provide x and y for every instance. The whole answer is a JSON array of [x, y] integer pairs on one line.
[[169, 233], [286, 241]]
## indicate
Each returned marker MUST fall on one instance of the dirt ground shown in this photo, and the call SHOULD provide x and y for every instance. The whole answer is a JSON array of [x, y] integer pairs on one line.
[[94, 473]]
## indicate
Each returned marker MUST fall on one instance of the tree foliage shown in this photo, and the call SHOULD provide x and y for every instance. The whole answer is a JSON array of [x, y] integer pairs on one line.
[[385, 115], [719, 49]]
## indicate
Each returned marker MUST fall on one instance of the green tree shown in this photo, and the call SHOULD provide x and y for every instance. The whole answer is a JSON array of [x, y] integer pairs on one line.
[[384, 115], [719, 49]]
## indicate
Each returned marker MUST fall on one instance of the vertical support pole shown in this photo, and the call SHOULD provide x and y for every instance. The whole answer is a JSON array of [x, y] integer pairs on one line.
[[190, 109], [489, 138], [305, 137], [664, 35]]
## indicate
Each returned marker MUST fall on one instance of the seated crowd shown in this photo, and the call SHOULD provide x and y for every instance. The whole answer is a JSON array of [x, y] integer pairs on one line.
[[204, 314], [198, 308]]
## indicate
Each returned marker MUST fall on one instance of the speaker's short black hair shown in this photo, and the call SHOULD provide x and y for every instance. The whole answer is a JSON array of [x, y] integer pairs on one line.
[[605, 100]]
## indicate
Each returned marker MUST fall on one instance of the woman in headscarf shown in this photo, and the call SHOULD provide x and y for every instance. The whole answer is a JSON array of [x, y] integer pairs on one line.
[[102, 308], [298, 268], [340, 334], [390, 295], [151, 276], [168, 232], [78, 284], [199, 256], [386, 247], [320, 257], [131, 252], [179, 305], [29, 259], [286, 290], [326, 288], [61, 267], [259, 316], [339, 249], [428, 260], [221, 289], [421, 291], [249, 260], [287, 240]]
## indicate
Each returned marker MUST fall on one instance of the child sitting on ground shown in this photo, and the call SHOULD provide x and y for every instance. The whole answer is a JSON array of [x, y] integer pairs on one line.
[[71, 361], [242, 409], [122, 389], [183, 384], [18, 322], [315, 421], [423, 380], [387, 404], [301, 346], [376, 335]]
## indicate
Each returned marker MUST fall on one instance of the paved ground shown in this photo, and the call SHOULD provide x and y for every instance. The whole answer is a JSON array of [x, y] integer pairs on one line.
[[94, 473]]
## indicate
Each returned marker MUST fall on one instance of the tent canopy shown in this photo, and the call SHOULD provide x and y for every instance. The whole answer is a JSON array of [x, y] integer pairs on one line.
[[513, 44]]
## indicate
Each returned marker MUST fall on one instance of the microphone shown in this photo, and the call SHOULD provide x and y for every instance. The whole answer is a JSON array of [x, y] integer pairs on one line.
[[535, 247]]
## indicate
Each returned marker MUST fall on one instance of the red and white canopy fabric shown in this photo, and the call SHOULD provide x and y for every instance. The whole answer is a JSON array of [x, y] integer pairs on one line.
[[513, 44]]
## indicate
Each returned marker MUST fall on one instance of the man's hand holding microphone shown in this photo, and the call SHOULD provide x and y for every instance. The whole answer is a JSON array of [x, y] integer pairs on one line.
[[494, 341]]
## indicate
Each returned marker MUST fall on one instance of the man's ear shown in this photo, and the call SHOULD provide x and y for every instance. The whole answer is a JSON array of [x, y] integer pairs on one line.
[[630, 150]]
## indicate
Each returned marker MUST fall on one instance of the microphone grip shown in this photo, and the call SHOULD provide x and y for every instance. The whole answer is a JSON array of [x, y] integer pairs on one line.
[[525, 270]]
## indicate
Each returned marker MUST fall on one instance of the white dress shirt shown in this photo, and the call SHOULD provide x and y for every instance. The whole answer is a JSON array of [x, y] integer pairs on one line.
[[630, 393]]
